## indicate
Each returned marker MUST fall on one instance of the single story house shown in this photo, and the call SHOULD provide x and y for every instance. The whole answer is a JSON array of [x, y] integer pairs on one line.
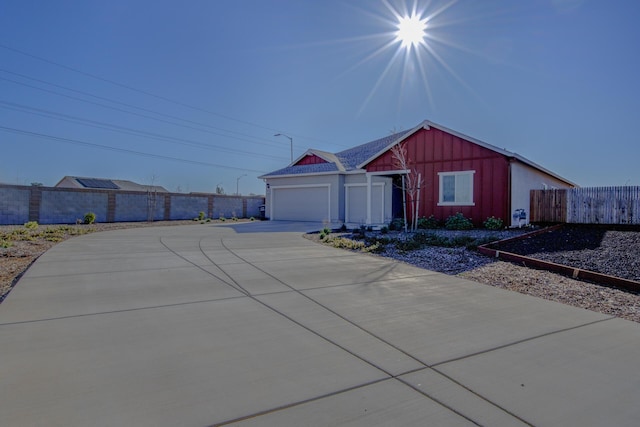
[[107, 184], [362, 185]]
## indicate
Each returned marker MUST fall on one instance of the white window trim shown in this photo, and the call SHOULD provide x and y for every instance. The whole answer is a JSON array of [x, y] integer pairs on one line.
[[455, 173], [346, 197]]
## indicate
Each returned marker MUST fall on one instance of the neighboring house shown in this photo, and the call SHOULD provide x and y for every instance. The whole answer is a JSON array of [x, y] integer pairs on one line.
[[362, 185], [107, 184]]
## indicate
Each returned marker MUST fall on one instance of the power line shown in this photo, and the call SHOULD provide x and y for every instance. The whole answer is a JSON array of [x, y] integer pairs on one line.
[[93, 76], [153, 95], [121, 150], [262, 140], [125, 130], [129, 112]]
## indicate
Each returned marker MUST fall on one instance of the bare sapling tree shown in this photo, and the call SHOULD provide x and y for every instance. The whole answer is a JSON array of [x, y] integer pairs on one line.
[[411, 185]]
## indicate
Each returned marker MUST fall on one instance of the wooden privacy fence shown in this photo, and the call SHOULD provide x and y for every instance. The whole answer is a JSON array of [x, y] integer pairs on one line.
[[596, 205]]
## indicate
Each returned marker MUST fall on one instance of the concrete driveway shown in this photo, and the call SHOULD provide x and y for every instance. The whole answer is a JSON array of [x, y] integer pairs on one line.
[[253, 325]]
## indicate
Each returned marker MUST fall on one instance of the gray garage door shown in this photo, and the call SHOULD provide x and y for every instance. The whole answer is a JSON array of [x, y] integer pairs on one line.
[[300, 203]]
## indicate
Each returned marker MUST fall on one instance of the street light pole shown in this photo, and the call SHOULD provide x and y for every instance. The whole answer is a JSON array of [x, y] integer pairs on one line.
[[238, 184], [290, 140]]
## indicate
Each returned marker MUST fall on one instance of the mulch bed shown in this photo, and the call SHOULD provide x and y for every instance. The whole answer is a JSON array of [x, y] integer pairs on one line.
[[607, 251]]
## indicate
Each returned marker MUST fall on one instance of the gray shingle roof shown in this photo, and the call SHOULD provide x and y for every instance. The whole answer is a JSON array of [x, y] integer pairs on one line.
[[349, 159], [303, 169], [352, 157]]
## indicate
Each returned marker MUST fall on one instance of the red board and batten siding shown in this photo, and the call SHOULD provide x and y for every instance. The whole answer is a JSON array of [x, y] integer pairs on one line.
[[311, 159], [433, 151]]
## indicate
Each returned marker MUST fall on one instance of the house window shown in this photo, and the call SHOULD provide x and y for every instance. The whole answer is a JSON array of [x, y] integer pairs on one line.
[[456, 188]]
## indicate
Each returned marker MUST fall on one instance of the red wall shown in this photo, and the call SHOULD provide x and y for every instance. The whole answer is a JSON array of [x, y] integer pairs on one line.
[[432, 151], [311, 160]]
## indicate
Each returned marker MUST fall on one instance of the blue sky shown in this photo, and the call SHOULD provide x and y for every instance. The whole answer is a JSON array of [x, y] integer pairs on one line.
[[188, 95]]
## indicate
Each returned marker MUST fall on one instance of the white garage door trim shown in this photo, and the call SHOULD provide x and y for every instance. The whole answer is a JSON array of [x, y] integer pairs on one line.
[[375, 185], [281, 187]]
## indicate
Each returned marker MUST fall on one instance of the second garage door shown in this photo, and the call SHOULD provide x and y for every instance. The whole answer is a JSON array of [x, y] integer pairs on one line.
[[300, 203]]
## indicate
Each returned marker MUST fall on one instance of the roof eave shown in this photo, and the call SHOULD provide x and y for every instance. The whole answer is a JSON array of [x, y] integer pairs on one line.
[[293, 175]]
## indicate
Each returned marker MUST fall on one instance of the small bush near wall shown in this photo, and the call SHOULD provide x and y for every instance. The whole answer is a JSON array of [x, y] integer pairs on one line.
[[458, 222], [493, 223], [89, 218]]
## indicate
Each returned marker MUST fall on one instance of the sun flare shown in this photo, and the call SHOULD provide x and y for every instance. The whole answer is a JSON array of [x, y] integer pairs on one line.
[[411, 31]]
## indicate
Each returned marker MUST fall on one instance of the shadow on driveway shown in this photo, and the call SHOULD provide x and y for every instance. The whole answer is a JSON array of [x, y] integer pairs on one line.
[[276, 226]]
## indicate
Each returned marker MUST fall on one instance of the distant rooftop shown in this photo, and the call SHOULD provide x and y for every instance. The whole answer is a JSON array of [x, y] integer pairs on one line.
[[107, 184]]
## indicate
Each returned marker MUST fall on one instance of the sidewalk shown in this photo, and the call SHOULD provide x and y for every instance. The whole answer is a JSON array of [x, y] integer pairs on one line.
[[247, 325]]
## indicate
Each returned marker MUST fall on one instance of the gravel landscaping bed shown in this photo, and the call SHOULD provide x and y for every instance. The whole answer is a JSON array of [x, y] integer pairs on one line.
[[612, 252]]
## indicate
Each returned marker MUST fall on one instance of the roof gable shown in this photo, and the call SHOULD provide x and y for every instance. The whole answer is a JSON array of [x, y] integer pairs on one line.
[[311, 159], [357, 158], [426, 125]]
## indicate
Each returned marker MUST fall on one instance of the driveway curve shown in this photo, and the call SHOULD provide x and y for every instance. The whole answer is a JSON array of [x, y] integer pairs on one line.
[[251, 324]]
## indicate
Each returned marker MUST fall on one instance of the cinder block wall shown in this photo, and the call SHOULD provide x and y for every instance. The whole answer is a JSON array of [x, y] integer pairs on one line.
[[188, 207], [49, 205], [14, 205]]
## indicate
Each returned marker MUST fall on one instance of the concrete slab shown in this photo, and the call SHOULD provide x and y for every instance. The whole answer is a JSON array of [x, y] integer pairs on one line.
[[340, 331], [389, 403], [100, 264], [168, 339], [459, 398], [438, 318], [586, 376], [195, 364], [61, 296], [331, 271]]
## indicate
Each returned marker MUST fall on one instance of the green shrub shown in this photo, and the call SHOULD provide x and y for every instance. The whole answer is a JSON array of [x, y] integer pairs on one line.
[[428, 223], [493, 223], [396, 224], [326, 230], [384, 230], [252, 219], [89, 218], [31, 225], [5, 243], [458, 222]]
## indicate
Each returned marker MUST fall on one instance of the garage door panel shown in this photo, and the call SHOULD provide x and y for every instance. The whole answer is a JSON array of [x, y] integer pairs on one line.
[[357, 204], [300, 204]]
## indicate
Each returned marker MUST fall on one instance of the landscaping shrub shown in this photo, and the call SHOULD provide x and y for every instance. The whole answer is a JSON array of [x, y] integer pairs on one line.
[[31, 225], [89, 218], [493, 223], [201, 216], [458, 222], [396, 224], [428, 223]]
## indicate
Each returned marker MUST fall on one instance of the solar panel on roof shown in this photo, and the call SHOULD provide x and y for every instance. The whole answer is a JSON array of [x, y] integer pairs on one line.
[[97, 183]]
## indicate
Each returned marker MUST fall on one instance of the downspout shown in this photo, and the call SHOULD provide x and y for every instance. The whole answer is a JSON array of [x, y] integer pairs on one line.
[[510, 198], [404, 203], [368, 199]]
